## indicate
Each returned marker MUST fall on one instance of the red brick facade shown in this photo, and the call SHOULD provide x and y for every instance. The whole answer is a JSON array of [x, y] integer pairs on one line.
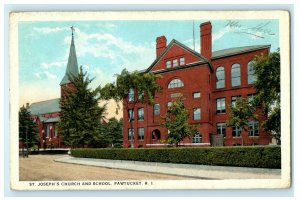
[[198, 75]]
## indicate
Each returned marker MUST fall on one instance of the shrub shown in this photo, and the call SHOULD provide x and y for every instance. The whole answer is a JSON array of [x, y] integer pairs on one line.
[[259, 157]]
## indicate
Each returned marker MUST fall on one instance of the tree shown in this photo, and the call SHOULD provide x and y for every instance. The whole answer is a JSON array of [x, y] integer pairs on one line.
[[80, 114], [240, 113], [267, 97], [27, 126], [176, 121], [112, 132], [144, 83], [267, 71]]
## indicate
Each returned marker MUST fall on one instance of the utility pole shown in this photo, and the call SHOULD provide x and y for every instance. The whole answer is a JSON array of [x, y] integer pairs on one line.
[[26, 143]]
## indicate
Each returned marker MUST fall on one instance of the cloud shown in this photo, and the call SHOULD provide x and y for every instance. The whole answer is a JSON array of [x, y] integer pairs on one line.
[[48, 30], [220, 33], [45, 75], [120, 53], [45, 65]]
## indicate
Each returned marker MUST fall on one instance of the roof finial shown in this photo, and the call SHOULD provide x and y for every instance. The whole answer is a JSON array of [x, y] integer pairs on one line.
[[73, 29]]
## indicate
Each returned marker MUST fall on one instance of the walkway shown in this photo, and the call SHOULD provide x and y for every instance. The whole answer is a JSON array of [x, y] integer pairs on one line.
[[196, 171]]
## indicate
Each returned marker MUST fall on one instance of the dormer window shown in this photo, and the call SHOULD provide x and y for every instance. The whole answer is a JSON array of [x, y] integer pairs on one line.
[[175, 62], [168, 64], [181, 61]]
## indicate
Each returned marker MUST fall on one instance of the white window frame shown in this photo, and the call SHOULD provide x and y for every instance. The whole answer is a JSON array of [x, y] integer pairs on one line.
[[175, 62], [221, 105], [253, 128], [131, 95], [236, 76], [141, 135], [130, 114], [141, 114], [181, 61], [175, 83], [220, 77], [196, 94], [156, 109], [222, 127], [236, 132], [197, 138], [251, 77], [197, 114], [130, 134]]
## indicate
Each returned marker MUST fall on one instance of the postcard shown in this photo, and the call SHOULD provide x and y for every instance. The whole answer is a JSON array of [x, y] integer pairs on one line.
[[149, 100]]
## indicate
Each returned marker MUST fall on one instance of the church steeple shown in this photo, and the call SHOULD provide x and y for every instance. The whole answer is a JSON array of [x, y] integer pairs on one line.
[[72, 67]]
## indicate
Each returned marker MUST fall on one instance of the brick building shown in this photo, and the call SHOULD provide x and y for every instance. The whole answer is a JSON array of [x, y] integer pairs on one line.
[[208, 83]]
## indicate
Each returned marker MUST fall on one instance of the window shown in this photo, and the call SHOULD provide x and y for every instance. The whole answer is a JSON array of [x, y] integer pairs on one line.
[[47, 131], [235, 75], [250, 98], [175, 83], [141, 114], [221, 105], [130, 134], [130, 115], [234, 99], [196, 95], [141, 95], [181, 61], [197, 113], [220, 77], [197, 138], [250, 72], [253, 128], [221, 129], [141, 133], [169, 104], [131, 95], [156, 109], [236, 132], [175, 62], [168, 64], [55, 131]]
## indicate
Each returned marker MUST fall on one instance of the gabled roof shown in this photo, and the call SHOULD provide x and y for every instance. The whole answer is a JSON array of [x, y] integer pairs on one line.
[[72, 67], [181, 45], [237, 50], [45, 107]]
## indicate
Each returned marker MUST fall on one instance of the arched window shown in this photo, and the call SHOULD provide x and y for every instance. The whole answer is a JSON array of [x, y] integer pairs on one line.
[[250, 72], [175, 83], [220, 77], [235, 75]]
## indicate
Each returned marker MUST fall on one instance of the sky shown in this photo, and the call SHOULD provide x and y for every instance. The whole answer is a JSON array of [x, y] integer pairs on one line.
[[104, 48]]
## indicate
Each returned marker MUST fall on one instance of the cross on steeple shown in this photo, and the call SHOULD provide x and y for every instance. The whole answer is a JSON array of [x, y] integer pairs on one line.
[[73, 29], [72, 66]]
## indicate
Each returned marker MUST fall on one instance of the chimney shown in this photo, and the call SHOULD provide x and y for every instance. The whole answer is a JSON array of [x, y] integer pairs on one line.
[[27, 105], [161, 44], [205, 31]]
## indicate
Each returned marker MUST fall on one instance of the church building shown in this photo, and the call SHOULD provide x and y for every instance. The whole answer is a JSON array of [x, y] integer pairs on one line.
[[207, 82], [46, 113]]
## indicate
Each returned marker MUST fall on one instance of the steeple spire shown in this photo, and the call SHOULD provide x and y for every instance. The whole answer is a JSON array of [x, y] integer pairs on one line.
[[72, 66]]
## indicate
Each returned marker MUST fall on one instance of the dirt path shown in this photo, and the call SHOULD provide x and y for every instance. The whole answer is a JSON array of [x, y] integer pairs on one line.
[[44, 168]]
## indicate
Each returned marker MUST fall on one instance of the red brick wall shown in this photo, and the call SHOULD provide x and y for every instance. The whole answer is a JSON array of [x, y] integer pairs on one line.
[[196, 79]]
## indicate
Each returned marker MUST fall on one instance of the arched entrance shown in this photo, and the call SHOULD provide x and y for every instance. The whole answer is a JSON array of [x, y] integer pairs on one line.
[[156, 134]]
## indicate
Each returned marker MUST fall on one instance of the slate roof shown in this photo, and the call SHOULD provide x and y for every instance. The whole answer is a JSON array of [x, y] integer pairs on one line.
[[237, 50], [45, 107], [215, 54], [72, 66]]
